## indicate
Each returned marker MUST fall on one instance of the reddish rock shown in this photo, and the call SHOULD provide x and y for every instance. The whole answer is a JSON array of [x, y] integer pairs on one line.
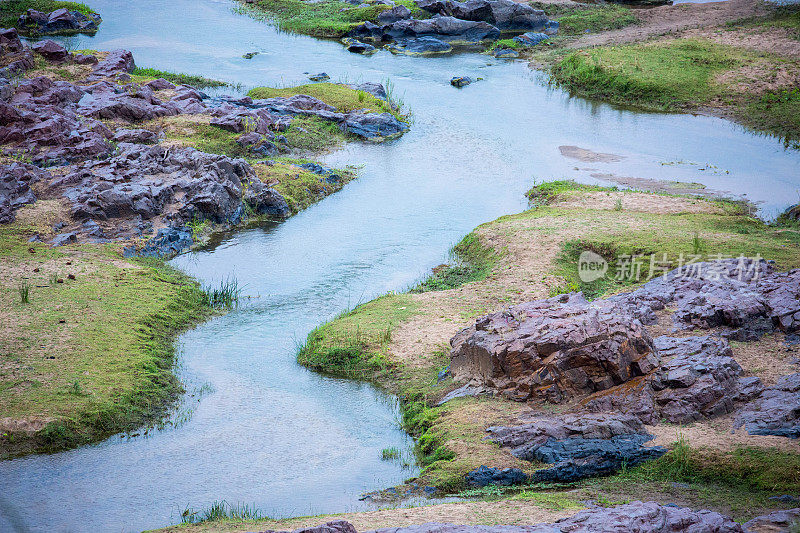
[[116, 62], [51, 50], [553, 349]]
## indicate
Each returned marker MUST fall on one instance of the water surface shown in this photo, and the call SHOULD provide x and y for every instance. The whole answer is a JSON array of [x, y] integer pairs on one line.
[[263, 430]]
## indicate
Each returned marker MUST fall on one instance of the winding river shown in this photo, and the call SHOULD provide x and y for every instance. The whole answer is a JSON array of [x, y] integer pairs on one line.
[[257, 428]]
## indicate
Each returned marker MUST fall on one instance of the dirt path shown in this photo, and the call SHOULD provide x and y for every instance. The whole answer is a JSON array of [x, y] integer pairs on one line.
[[669, 20]]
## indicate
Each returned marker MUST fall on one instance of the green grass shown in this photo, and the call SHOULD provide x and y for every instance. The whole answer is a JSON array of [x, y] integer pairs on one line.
[[596, 18], [550, 191], [390, 454], [10, 10], [198, 82], [111, 334], [505, 43], [330, 19], [471, 260], [786, 17], [680, 75], [220, 511]]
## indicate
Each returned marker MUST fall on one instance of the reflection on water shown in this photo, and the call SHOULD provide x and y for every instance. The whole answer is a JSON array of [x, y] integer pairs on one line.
[[263, 430]]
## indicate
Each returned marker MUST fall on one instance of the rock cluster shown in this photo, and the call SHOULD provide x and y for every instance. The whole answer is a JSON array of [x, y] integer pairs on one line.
[[59, 21], [470, 22], [578, 446], [484, 476], [15, 191], [776, 411]]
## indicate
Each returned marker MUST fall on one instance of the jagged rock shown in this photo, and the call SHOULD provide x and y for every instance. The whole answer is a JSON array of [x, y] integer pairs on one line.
[[168, 242], [10, 42], [443, 28], [15, 58], [579, 458], [420, 47], [84, 59], [634, 517], [394, 14], [553, 349], [15, 191], [484, 475], [160, 84], [140, 136], [698, 379], [373, 125], [238, 120], [58, 21], [357, 47], [776, 411], [774, 522], [116, 62], [375, 89], [64, 238], [50, 50], [507, 15], [176, 184]]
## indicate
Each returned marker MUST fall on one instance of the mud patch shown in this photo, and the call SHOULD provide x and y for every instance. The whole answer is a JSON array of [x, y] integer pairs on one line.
[[588, 156]]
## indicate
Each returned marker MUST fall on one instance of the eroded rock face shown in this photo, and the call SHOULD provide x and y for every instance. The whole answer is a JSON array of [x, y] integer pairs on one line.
[[444, 28], [505, 14], [15, 58], [50, 50], [775, 522], [553, 349], [776, 411], [15, 191], [484, 476]]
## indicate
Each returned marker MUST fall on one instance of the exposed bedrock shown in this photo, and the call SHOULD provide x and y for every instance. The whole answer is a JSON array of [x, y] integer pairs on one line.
[[15, 191], [776, 411], [579, 445], [59, 21]]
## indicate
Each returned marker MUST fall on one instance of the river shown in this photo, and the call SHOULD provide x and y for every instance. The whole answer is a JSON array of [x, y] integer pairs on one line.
[[259, 429]]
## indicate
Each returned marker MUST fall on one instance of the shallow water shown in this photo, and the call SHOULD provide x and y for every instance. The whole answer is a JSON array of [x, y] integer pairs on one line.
[[263, 430]]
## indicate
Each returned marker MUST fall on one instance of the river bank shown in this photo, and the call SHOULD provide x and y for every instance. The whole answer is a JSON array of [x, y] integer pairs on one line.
[[65, 246]]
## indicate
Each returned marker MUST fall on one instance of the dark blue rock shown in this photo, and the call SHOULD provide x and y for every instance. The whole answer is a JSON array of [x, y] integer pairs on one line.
[[506, 53], [319, 77], [577, 458], [460, 81], [64, 238], [484, 475], [357, 47]]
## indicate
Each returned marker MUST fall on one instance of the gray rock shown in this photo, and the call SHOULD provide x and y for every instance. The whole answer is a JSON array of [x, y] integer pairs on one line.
[[774, 522], [319, 77], [58, 21], [374, 126], [394, 14], [15, 191], [506, 53], [776, 411], [507, 15], [135, 136], [64, 238], [460, 81], [422, 46], [531, 38]]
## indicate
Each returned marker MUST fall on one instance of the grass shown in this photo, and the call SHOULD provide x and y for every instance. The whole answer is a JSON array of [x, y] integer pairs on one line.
[[24, 289], [596, 18], [680, 75], [471, 260], [220, 511], [10, 10], [550, 191], [224, 296], [91, 356], [786, 17], [198, 82], [390, 454], [329, 19]]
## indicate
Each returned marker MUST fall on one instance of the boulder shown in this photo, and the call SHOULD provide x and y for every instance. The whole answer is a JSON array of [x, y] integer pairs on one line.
[[357, 47], [484, 476], [322, 76], [444, 28], [776, 411], [58, 21], [460, 81], [394, 14], [160, 84], [84, 59], [116, 62], [168, 242], [506, 53], [553, 349], [10, 42], [140, 136], [531, 38]]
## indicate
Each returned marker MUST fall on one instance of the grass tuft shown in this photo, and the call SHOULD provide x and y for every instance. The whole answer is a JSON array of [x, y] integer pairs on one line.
[[24, 289], [198, 82]]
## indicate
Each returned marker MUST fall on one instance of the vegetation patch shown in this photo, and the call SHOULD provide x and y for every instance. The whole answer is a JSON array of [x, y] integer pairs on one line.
[[90, 350], [330, 19], [595, 18], [10, 10], [142, 75], [471, 260]]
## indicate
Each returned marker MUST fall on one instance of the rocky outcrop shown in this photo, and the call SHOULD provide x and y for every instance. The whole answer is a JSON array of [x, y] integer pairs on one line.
[[553, 349], [59, 21], [174, 184], [421, 46], [15, 190], [579, 445], [449, 29], [698, 379], [776, 411], [15, 59], [394, 14], [116, 62], [51, 50], [506, 15]]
